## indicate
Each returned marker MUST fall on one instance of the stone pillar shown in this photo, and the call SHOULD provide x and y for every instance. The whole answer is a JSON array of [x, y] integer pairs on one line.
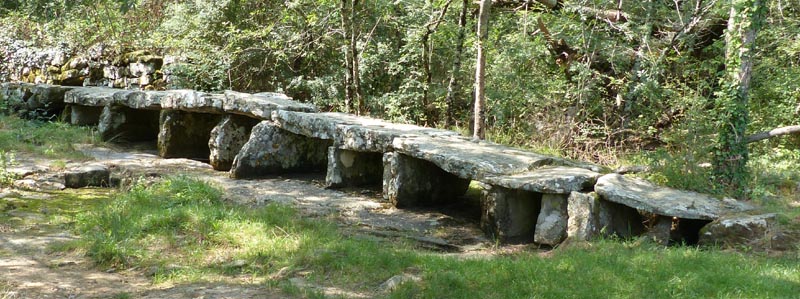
[[119, 123], [227, 139], [185, 134], [510, 215], [661, 230], [411, 182], [348, 168], [551, 225], [271, 150], [84, 115], [619, 220], [584, 216]]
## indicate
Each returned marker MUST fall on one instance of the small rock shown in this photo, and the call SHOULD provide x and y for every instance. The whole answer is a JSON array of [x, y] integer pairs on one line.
[[89, 175], [396, 281]]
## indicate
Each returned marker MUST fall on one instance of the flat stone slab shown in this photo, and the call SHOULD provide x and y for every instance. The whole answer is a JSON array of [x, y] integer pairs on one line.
[[258, 106], [352, 132], [91, 96], [471, 160], [548, 179], [643, 195]]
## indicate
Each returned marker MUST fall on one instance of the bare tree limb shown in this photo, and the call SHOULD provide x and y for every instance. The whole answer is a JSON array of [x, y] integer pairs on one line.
[[773, 133]]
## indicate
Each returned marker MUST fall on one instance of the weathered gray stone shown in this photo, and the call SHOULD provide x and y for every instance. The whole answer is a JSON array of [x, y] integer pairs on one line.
[[227, 139], [89, 175], [619, 220], [84, 115], [583, 223], [348, 168], [471, 160], [33, 100], [396, 281], [316, 125], [510, 215], [643, 195], [261, 105], [411, 182], [551, 225], [662, 230], [119, 123], [90, 96], [185, 134], [734, 231], [548, 179], [271, 150]]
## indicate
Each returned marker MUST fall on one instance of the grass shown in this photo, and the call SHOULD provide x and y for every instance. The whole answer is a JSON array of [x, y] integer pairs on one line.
[[44, 139], [181, 228]]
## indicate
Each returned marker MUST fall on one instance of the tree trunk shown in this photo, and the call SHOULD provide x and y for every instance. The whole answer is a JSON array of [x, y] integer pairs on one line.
[[427, 58], [453, 86], [730, 160], [348, 55], [479, 130], [357, 99]]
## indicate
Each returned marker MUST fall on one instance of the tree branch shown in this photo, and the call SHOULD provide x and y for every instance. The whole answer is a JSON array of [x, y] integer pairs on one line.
[[773, 133]]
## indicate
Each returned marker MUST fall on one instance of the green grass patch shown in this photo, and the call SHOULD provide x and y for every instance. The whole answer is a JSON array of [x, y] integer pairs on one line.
[[46, 139], [181, 228]]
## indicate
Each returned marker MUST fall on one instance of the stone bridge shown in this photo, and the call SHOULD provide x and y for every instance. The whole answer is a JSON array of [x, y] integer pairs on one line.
[[527, 197]]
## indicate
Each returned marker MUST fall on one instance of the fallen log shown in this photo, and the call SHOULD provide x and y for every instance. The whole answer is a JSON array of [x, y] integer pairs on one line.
[[773, 133]]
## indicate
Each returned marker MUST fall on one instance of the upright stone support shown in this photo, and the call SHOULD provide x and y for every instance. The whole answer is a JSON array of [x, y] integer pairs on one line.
[[410, 182], [84, 115], [509, 215], [348, 168], [119, 123], [584, 216], [185, 134], [620, 220], [272, 150], [551, 225], [227, 139]]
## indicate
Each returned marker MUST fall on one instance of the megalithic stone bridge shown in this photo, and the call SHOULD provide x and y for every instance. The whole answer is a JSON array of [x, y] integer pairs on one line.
[[528, 197]]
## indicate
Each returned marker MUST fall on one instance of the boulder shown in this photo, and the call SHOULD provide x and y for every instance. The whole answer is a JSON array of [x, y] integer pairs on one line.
[[551, 225], [227, 139], [271, 150], [90, 175], [642, 195], [740, 230]]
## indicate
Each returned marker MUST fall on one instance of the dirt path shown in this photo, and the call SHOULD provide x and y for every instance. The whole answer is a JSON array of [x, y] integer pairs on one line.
[[28, 269]]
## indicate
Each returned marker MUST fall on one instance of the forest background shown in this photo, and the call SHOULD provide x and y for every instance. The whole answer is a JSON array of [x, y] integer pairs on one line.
[[682, 87]]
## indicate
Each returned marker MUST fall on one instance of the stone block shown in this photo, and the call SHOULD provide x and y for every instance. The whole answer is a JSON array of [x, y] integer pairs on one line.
[[510, 215], [84, 115], [735, 231], [120, 124], [185, 134], [551, 225], [271, 150], [409, 182], [348, 168], [227, 139], [584, 216], [85, 176]]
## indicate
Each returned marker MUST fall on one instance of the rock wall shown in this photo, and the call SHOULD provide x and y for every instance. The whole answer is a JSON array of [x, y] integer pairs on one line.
[[96, 66]]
